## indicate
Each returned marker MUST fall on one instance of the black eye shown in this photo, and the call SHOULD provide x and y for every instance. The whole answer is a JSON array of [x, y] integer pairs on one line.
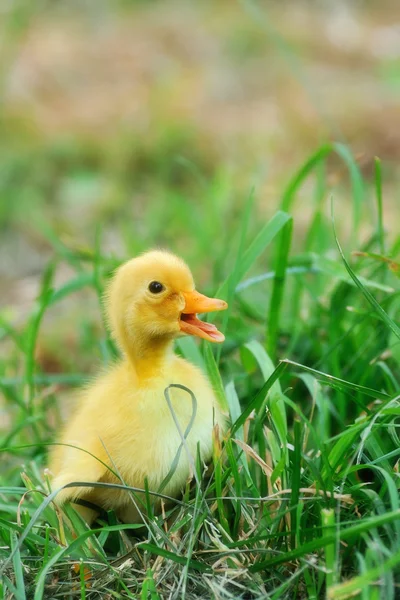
[[156, 287]]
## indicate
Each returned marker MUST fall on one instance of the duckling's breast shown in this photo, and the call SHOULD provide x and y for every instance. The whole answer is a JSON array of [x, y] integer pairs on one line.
[[168, 432]]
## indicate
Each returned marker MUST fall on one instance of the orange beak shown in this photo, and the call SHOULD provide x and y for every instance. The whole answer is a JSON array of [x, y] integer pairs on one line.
[[190, 324]]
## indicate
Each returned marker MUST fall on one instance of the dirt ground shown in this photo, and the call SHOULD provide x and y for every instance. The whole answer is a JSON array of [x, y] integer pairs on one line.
[[255, 87]]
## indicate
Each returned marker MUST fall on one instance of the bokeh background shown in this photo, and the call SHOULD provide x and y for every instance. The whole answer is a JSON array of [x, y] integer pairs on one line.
[[149, 123]]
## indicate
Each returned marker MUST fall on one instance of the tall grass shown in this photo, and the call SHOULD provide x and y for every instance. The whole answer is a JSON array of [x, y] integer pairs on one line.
[[303, 499]]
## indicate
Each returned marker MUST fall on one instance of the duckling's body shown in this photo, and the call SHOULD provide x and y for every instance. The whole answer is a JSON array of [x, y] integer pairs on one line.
[[126, 422], [124, 418]]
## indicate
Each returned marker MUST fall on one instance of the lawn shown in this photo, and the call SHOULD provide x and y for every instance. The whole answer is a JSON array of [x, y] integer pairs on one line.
[[303, 498]]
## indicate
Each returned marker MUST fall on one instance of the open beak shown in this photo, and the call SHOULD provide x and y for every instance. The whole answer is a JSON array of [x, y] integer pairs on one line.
[[190, 324]]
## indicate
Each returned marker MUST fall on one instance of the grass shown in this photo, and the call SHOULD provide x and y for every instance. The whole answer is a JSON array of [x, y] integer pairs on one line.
[[303, 500]]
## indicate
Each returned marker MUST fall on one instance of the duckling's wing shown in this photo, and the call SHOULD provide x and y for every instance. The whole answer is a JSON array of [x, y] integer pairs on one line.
[[86, 463]]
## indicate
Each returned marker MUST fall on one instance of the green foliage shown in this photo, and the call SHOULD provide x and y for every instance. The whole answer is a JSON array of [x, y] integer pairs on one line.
[[303, 498]]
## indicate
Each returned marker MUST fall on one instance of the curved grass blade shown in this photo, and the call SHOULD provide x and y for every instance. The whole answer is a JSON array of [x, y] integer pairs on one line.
[[336, 382], [322, 264], [306, 168], [75, 284], [184, 436], [367, 294], [320, 155], [357, 183]]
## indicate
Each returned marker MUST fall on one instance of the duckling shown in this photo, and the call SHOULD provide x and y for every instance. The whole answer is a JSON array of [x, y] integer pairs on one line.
[[124, 429]]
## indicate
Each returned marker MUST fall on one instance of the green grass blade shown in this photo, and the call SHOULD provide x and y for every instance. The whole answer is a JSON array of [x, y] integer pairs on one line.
[[256, 248], [307, 168], [367, 294], [259, 398], [379, 203], [273, 323], [191, 351], [329, 267], [328, 523], [18, 569], [339, 383], [227, 289], [295, 483], [215, 378], [33, 330], [320, 155], [75, 284], [14, 591], [149, 587], [357, 184], [182, 560]]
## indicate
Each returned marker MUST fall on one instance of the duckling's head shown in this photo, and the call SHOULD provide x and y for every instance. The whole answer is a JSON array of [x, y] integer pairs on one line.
[[153, 298]]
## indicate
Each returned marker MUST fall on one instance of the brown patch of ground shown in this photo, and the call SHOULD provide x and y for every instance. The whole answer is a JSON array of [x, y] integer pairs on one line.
[[260, 89]]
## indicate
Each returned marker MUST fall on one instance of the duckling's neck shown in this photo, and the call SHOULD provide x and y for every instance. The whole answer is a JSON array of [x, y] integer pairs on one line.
[[150, 358]]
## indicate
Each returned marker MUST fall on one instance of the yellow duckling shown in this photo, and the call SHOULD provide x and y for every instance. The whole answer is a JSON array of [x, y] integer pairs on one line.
[[123, 417]]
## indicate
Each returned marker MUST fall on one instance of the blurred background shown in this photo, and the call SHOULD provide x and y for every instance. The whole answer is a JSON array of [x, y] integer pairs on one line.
[[149, 123]]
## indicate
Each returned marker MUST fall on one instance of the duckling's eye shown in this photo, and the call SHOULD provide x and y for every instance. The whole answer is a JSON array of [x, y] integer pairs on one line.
[[156, 287]]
